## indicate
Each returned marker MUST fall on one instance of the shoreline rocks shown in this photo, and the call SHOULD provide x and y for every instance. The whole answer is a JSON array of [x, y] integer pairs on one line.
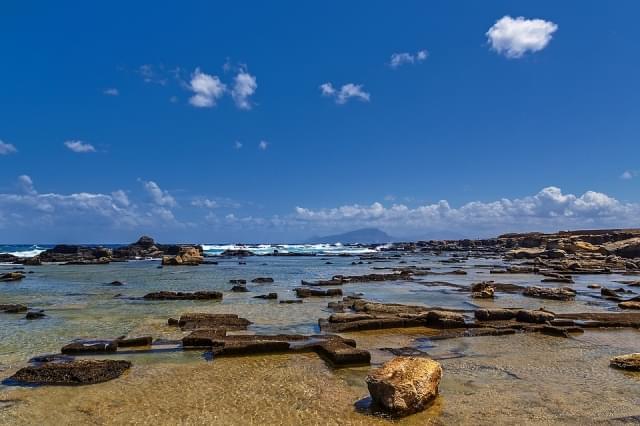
[[629, 362]]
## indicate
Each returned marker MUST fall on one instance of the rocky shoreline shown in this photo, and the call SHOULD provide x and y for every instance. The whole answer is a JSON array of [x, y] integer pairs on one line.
[[556, 260]]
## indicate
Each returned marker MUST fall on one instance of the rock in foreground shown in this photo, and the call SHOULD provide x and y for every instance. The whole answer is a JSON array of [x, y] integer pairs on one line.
[[83, 372], [627, 362], [405, 385]]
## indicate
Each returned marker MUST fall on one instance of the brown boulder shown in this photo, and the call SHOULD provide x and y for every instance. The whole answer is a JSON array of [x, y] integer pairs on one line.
[[626, 362], [405, 385]]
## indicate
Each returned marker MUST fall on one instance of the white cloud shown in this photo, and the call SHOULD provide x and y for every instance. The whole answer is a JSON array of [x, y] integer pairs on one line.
[[159, 196], [263, 145], [237, 144], [26, 184], [112, 91], [79, 146], [244, 86], [207, 89], [205, 202], [628, 174], [345, 93], [7, 148], [549, 209], [399, 59], [515, 37], [120, 197], [151, 74]]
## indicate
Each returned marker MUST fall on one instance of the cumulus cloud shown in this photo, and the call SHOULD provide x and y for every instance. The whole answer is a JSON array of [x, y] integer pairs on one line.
[[7, 148], [345, 93], [207, 89], [244, 85], [628, 174], [399, 59], [515, 37], [549, 209], [263, 145], [158, 195], [205, 202], [237, 144], [112, 91], [79, 147]]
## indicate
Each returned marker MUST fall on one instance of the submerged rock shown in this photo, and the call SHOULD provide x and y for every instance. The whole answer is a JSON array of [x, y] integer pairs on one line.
[[12, 276], [34, 315], [262, 280], [193, 321], [309, 292], [13, 308], [134, 342], [626, 362], [83, 372], [239, 288], [270, 296], [405, 385], [177, 295]]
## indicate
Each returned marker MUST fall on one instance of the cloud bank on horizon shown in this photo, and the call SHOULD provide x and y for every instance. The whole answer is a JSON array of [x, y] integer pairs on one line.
[[155, 208]]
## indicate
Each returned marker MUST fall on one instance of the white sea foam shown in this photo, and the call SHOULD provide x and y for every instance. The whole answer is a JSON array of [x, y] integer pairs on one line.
[[216, 249]]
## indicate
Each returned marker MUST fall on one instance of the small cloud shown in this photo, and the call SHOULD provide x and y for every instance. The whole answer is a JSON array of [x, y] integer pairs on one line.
[[244, 86], [237, 144], [207, 88], [25, 183], [345, 93], [79, 146], [150, 75], [390, 197], [159, 196], [205, 202], [173, 99], [112, 91], [263, 145], [399, 59], [628, 174], [515, 37], [7, 148]]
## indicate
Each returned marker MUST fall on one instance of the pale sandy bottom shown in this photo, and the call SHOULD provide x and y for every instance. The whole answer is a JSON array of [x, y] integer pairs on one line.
[[522, 379]]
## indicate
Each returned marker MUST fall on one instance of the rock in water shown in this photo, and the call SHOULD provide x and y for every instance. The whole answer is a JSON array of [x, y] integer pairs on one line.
[[405, 385], [626, 362], [83, 372]]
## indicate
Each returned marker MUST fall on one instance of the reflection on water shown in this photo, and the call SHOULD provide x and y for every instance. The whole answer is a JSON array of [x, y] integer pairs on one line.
[[512, 379]]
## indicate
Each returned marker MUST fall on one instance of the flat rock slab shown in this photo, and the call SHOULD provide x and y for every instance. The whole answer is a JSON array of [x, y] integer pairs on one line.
[[204, 338], [564, 293], [192, 321], [74, 373], [626, 362], [262, 280], [79, 348], [309, 292], [177, 295], [134, 342], [11, 276]]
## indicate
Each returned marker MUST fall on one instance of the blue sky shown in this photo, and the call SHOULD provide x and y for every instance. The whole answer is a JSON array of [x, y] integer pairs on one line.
[[274, 121]]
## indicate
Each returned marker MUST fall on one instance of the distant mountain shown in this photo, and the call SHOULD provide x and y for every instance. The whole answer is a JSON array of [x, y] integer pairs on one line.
[[362, 236]]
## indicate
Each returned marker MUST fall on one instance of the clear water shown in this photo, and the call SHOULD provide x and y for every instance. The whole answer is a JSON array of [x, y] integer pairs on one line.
[[513, 379]]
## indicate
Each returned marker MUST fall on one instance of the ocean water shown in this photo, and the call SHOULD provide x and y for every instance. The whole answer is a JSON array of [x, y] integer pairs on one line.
[[524, 379], [28, 250]]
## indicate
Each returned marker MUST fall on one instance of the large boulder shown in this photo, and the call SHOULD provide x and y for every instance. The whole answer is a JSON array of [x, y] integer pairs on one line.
[[186, 256], [405, 385], [82, 372]]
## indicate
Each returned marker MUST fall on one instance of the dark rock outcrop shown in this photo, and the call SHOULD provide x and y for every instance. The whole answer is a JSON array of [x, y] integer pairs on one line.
[[178, 295], [81, 372]]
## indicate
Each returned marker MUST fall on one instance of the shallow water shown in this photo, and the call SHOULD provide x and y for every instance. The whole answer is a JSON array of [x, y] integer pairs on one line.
[[512, 379]]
